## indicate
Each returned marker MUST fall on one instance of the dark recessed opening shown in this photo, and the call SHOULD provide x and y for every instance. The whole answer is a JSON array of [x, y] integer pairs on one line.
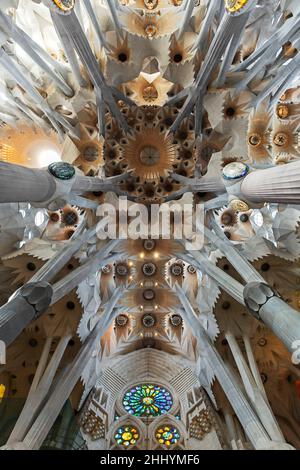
[[30, 378], [227, 234], [183, 135], [122, 57], [149, 192], [265, 267], [54, 217], [168, 121], [177, 58], [168, 187], [70, 218], [230, 112], [31, 266], [264, 377], [226, 305], [227, 218], [71, 342], [69, 233], [70, 305], [244, 218], [33, 342], [187, 154], [130, 187]]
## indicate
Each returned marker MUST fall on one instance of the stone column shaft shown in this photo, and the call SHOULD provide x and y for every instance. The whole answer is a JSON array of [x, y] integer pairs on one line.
[[38, 394], [278, 184], [60, 393], [258, 400], [247, 417], [242, 408], [283, 320], [21, 184]]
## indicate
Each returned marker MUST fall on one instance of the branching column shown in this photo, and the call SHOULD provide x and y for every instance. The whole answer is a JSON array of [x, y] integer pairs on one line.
[[248, 418]]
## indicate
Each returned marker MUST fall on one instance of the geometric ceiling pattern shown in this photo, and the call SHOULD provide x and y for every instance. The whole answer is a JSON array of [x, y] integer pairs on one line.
[[149, 224]]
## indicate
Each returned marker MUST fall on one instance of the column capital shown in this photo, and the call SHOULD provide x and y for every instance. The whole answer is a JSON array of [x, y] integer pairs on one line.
[[256, 294], [38, 295]]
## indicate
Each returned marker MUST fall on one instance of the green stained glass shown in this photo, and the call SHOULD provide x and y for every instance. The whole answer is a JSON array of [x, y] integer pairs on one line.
[[62, 170], [127, 436], [147, 400], [167, 435]]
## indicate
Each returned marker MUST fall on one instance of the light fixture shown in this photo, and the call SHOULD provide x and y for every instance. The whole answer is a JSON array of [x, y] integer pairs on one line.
[[45, 157]]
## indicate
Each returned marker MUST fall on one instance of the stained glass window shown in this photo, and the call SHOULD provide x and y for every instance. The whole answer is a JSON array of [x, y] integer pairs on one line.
[[147, 400], [127, 436], [167, 435]]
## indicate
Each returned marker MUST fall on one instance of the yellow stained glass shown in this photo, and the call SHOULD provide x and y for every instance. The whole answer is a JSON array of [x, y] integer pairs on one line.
[[2, 391], [235, 5], [65, 5]]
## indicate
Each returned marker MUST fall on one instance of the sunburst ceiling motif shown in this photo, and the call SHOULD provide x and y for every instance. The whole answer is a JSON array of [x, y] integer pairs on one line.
[[150, 154], [116, 106]]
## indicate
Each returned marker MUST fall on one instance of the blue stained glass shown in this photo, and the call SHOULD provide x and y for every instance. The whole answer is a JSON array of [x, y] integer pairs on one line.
[[167, 435], [127, 436], [147, 400]]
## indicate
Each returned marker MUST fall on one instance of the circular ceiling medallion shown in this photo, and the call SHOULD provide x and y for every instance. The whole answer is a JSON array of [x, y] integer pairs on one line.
[[281, 139], [176, 320], [122, 269], [149, 245], [62, 170], [149, 269], [149, 294], [90, 153], [235, 170], [262, 342], [107, 269], [255, 140], [149, 155], [191, 269], [239, 206], [176, 269], [282, 111], [121, 320], [148, 321]]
